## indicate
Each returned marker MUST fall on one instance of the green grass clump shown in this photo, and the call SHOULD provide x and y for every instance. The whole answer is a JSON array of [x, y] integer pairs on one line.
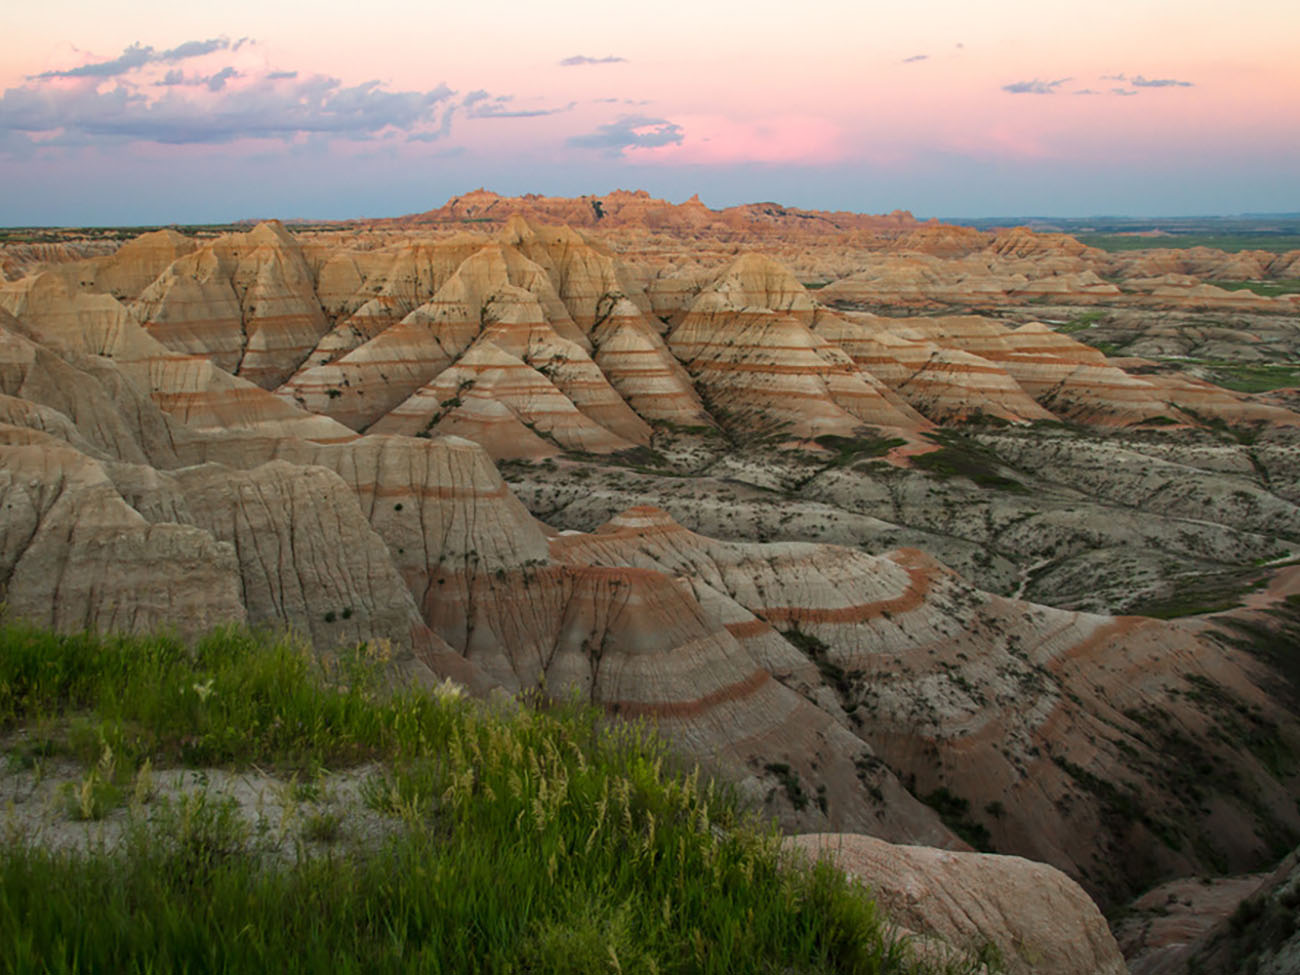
[[234, 697], [529, 838], [850, 449], [1081, 322]]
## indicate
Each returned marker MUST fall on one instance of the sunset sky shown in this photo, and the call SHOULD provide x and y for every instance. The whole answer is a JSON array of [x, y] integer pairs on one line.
[[163, 112]]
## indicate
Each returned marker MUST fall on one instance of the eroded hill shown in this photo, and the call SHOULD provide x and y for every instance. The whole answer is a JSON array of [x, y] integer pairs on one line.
[[859, 546]]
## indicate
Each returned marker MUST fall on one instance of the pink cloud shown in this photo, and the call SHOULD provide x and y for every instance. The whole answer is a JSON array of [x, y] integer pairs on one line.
[[715, 140]]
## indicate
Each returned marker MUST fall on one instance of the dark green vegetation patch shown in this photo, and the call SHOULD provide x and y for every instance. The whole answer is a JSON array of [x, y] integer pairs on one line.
[[1253, 377], [956, 815], [1207, 593], [960, 456]]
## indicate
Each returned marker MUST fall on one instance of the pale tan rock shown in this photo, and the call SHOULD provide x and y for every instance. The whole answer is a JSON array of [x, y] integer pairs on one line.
[[17, 260], [189, 387], [308, 559], [917, 280], [369, 291], [942, 241], [516, 323], [1201, 262], [637, 209], [1022, 266], [638, 364], [364, 384], [32, 374], [1285, 265], [1071, 380], [26, 422], [672, 289], [887, 676], [1038, 919], [136, 264], [584, 274], [943, 383], [767, 370], [246, 300], [1184, 290], [756, 282], [1023, 242], [74, 555], [468, 399], [980, 695]]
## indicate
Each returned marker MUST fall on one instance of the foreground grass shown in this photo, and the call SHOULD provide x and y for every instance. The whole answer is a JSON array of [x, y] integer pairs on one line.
[[531, 839]]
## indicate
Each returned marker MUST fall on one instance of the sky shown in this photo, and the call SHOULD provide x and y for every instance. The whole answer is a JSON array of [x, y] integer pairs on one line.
[[157, 112]]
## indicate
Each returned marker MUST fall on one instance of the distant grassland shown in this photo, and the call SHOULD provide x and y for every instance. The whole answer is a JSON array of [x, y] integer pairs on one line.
[[1254, 377], [1269, 289], [55, 235], [527, 838], [1277, 243]]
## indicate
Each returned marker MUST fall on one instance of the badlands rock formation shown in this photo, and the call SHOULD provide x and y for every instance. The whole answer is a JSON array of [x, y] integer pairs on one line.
[[1034, 918], [638, 209], [859, 548], [1216, 926]]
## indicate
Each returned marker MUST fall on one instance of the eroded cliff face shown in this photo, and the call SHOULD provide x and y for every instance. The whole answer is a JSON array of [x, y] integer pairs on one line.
[[864, 564]]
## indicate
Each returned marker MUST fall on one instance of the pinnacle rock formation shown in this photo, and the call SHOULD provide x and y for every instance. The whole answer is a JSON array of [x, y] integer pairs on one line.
[[247, 301], [746, 341]]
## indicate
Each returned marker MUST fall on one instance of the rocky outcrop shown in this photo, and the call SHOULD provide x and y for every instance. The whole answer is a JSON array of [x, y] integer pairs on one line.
[[365, 383], [585, 276], [74, 555], [976, 280], [307, 556], [247, 301], [544, 382], [1216, 926], [747, 343], [1206, 263], [639, 365], [992, 712], [638, 209], [943, 382], [191, 388], [367, 292], [1025, 916], [21, 258], [130, 269]]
